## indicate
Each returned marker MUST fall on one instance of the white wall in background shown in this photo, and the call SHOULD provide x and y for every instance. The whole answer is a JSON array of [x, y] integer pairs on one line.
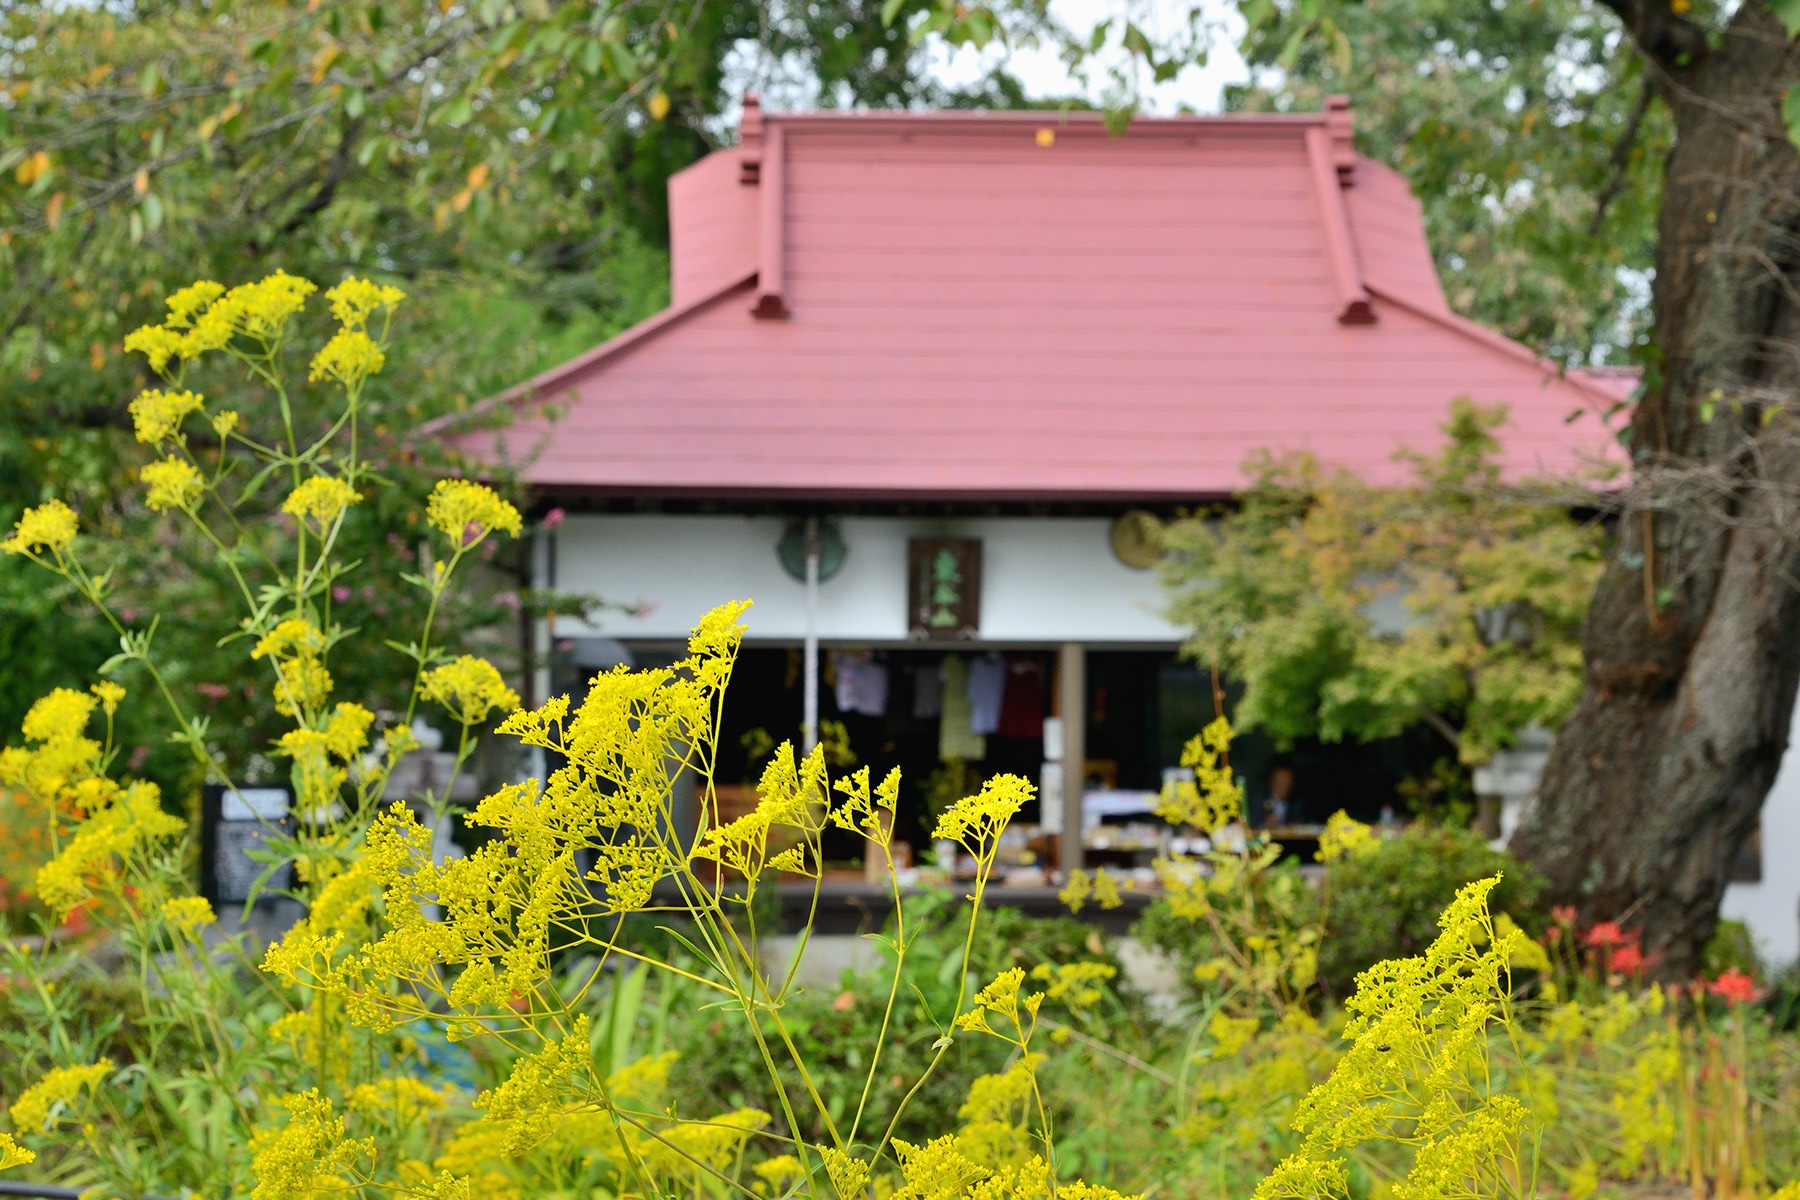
[[1043, 579]]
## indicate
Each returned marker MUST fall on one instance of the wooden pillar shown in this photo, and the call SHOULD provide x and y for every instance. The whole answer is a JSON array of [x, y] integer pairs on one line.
[[1071, 672]]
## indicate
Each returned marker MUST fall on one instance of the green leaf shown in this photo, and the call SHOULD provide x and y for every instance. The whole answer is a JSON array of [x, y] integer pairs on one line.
[[1290, 50], [1788, 13], [256, 482], [1790, 111], [890, 10]]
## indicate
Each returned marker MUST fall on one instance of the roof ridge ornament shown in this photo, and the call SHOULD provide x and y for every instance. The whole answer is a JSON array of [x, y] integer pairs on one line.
[[750, 140], [1340, 123], [1353, 304]]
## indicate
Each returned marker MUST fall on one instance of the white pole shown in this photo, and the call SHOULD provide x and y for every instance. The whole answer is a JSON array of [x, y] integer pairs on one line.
[[809, 720]]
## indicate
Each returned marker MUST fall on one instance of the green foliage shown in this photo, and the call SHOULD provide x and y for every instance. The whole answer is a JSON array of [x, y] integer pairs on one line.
[[834, 1028], [1379, 902], [1528, 133], [1348, 610], [1384, 901], [483, 152], [1731, 948]]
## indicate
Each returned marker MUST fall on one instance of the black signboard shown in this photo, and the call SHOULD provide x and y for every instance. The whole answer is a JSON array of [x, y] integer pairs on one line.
[[233, 822], [943, 588]]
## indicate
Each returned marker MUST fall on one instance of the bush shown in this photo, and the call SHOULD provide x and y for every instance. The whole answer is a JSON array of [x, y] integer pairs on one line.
[[1384, 902]]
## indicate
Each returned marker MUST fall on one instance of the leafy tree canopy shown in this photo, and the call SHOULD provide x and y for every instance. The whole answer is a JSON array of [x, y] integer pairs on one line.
[[1347, 610], [1527, 131]]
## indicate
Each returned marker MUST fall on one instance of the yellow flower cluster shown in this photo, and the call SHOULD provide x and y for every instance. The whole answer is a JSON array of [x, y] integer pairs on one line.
[[65, 757], [975, 822], [12, 1154], [462, 509], [350, 357], [60, 716], [1101, 885], [870, 814], [1418, 1028], [1344, 836], [157, 415], [471, 688], [1077, 984], [1212, 799], [297, 650], [610, 802], [996, 1131], [125, 823], [779, 1172], [322, 498], [532, 1099], [310, 1147], [186, 305], [790, 795], [50, 526], [935, 1171], [173, 483], [686, 1151], [849, 1176], [204, 317], [318, 780], [109, 694], [399, 1100], [158, 344], [261, 310], [188, 914], [37, 1105], [354, 301], [1001, 998]]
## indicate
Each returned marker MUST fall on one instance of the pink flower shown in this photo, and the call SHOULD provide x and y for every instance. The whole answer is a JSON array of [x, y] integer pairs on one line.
[[340, 593], [1604, 933], [212, 691], [1734, 986], [508, 600], [553, 519]]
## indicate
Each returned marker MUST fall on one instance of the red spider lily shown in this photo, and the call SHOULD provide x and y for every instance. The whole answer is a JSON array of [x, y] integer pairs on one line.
[[1563, 914], [1734, 986], [1604, 934], [1628, 959]]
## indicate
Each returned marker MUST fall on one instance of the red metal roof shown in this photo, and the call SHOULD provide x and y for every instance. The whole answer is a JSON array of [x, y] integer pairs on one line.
[[956, 304]]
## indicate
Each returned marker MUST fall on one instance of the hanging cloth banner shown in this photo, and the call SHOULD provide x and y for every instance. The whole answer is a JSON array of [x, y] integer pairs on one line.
[[956, 739]]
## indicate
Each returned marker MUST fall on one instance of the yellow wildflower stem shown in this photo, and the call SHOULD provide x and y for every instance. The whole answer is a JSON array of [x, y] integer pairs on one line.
[[90, 591], [439, 584], [893, 989], [962, 987]]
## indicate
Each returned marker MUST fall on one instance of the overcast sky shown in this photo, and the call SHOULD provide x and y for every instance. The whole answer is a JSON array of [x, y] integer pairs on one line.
[[1196, 89]]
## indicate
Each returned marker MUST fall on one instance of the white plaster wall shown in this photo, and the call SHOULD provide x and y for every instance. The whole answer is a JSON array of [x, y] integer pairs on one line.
[[1772, 908], [1043, 579]]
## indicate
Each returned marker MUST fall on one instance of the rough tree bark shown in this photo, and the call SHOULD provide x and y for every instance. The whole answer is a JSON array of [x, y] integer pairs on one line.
[[1693, 642]]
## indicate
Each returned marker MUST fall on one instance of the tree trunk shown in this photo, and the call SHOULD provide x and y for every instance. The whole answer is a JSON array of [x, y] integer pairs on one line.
[[1693, 641]]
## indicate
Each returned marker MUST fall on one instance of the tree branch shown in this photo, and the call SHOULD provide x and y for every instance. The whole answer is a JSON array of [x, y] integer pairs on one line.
[[1668, 39], [1621, 157]]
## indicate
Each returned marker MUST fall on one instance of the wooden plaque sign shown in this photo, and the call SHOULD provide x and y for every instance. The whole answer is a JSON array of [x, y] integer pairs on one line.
[[943, 588]]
